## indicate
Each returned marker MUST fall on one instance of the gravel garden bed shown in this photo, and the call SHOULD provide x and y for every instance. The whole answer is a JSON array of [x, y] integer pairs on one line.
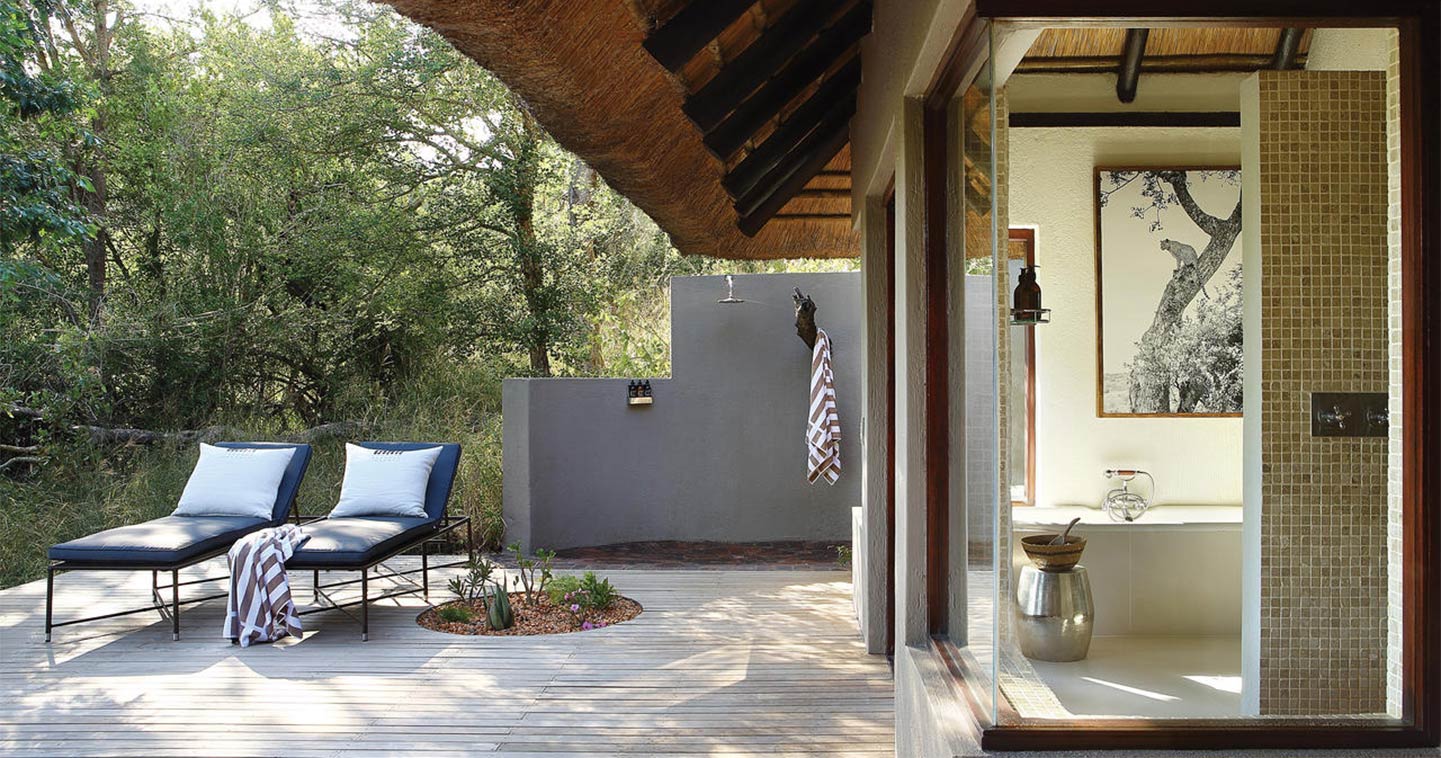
[[540, 617], [546, 603]]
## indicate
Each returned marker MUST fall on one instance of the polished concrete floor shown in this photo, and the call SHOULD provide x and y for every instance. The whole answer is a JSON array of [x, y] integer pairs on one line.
[[1151, 677]]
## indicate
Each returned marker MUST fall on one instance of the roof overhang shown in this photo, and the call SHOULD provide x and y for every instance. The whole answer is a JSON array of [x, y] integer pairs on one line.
[[583, 69]]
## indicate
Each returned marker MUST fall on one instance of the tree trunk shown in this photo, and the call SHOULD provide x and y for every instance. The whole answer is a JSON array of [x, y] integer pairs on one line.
[[95, 248], [532, 263], [95, 54], [1151, 393], [583, 185]]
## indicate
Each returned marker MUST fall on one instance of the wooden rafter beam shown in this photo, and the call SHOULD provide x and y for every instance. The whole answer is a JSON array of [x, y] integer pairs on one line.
[[787, 179], [837, 118], [751, 114], [837, 91], [676, 41], [1105, 64], [1129, 74], [758, 62], [1288, 44]]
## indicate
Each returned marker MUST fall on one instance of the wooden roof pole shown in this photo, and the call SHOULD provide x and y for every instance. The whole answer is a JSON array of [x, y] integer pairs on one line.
[[676, 41], [1130, 71], [809, 158], [729, 135], [839, 88], [1287, 45], [755, 64]]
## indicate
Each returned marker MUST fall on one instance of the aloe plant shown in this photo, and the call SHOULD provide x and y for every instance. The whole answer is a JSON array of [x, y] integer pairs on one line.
[[499, 613], [471, 587]]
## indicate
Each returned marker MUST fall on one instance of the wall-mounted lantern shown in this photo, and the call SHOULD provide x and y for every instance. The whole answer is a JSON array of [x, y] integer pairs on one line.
[[1026, 308]]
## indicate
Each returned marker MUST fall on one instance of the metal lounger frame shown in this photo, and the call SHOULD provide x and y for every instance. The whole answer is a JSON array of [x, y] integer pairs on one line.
[[446, 525], [168, 610]]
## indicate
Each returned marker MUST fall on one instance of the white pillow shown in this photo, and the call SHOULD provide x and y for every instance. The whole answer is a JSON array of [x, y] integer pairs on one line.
[[235, 481], [384, 482]]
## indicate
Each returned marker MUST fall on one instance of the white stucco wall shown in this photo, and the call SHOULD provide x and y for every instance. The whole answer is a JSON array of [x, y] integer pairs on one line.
[[1076, 93], [1350, 49], [1194, 461], [908, 39]]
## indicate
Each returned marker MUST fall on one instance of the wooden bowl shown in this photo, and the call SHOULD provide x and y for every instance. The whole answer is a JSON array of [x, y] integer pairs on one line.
[[1048, 557]]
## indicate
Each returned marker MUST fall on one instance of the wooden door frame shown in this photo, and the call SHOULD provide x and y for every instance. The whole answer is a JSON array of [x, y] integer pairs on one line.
[[888, 201], [1419, 23], [1027, 236]]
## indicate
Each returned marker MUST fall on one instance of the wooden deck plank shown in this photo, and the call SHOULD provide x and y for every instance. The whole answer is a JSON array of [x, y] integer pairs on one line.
[[722, 663]]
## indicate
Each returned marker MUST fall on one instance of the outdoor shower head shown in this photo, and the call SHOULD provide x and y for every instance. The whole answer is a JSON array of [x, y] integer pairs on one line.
[[730, 292]]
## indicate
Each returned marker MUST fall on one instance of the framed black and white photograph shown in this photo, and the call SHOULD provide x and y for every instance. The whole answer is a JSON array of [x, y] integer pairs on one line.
[[1168, 291]]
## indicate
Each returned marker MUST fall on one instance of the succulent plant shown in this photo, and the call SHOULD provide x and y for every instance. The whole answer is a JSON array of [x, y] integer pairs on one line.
[[499, 613], [455, 614]]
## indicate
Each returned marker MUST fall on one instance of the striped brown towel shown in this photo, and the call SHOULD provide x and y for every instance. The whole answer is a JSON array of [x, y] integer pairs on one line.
[[823, 432], [259, 608]]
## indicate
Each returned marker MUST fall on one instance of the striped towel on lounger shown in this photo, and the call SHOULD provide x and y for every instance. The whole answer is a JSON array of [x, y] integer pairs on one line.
[[259, 608], [823, 432]]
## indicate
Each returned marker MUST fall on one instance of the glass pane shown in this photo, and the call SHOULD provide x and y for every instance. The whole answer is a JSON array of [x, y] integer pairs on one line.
[[1218, 388], [982, 285]]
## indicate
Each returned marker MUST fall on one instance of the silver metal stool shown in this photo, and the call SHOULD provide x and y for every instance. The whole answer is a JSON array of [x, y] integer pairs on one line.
[[1054, 613]]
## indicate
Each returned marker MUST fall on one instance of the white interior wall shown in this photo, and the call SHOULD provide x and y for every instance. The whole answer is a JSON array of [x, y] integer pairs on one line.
[[1349, 49], [1251, 398], [1079, 93], [1052, 188]]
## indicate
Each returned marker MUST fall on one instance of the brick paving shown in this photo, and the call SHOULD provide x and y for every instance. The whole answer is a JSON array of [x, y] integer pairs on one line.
[[759, 556]]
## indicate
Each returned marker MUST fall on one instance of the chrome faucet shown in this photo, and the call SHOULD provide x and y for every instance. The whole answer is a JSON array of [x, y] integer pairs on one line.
[[1120, 503]]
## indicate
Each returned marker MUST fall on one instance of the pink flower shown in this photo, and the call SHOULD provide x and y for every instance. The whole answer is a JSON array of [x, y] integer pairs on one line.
[[587, 626], [574, 608]]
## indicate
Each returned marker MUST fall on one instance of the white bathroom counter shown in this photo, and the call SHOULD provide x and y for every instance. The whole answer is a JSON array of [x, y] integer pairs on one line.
[[1175, 571], [1165, 516]]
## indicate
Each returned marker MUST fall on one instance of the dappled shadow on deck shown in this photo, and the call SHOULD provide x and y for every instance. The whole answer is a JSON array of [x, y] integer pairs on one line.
[[721, 663]]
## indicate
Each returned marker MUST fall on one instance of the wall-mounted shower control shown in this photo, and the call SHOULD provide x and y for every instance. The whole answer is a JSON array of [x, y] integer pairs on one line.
[[1349, 414]]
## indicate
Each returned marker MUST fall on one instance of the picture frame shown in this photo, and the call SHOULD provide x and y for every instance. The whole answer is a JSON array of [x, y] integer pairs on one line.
[[1168, 291]]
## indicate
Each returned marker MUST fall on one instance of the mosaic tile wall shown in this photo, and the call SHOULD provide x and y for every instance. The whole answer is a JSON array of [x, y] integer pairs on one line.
[[1325, 328], [1394, 547]]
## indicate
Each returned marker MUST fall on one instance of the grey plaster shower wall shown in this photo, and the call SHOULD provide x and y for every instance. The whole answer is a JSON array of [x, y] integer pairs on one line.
[[720, 455]]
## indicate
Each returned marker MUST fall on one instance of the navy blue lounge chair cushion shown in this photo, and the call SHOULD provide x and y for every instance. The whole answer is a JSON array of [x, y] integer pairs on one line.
[[356, 540], [362, 540], [162, 542], [181, 539]]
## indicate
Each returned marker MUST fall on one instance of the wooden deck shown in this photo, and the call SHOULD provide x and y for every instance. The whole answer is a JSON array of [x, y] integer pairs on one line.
[[721, 663]]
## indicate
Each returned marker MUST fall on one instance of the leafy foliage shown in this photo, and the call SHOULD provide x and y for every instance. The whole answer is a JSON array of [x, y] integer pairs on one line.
[[1201, 362], [216, 221], [561, 587], [598, 593], [588, 591], [472, 585], [455, 614]]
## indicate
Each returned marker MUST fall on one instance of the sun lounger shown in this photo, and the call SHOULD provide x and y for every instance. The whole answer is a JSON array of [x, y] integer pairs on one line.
[[168, 544], [365, 543]]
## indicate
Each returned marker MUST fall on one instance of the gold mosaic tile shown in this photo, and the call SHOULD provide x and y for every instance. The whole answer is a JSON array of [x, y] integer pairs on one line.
[[1325, 327]]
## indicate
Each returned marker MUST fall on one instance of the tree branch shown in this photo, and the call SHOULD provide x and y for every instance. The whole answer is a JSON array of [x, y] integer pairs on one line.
[[1208, 223], [22, 459]]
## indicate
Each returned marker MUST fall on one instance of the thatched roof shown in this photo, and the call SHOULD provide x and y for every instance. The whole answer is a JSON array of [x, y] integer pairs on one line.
[[1199, 49], [581, 68]]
